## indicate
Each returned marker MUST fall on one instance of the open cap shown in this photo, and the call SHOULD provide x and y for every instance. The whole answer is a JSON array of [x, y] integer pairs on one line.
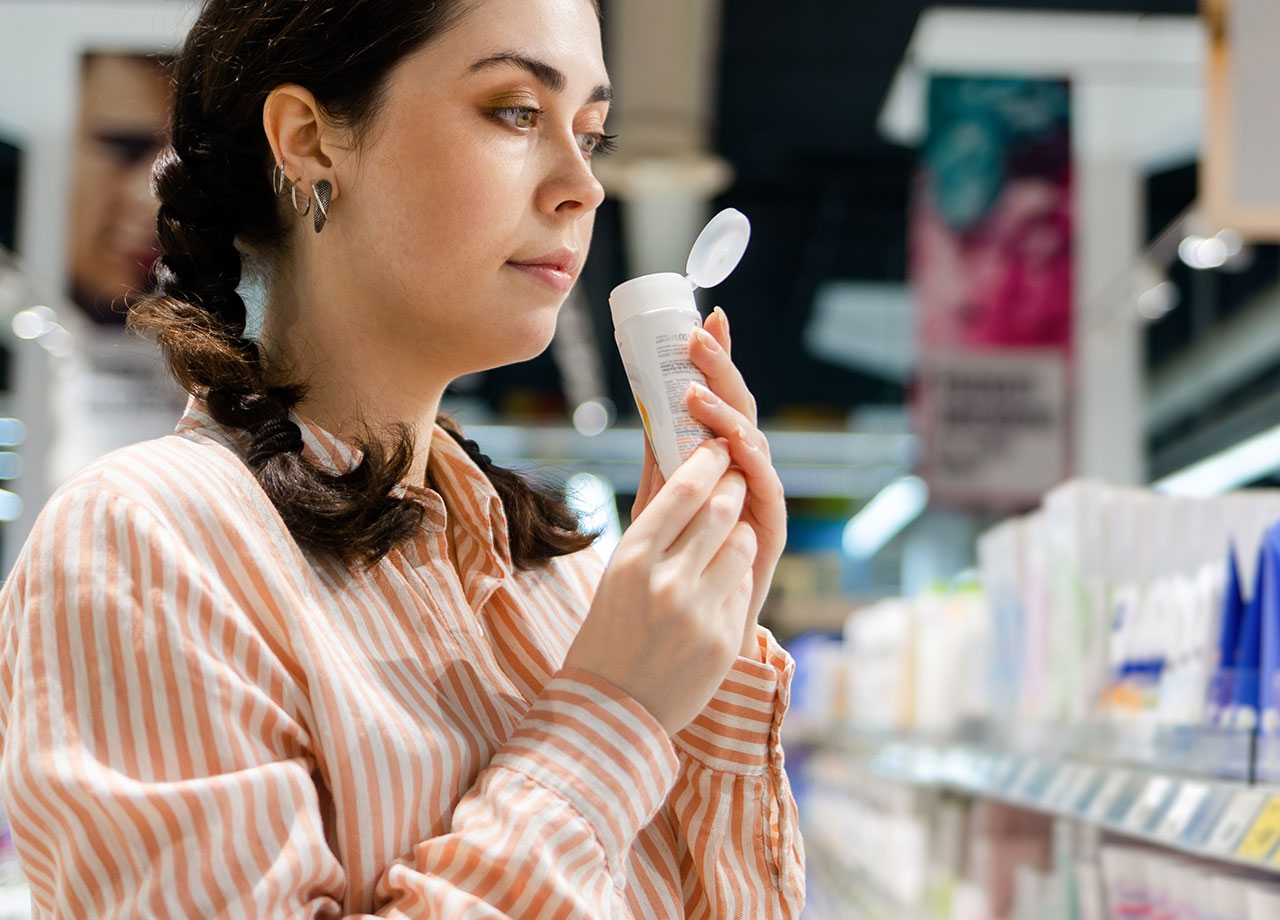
[[719, 248], [715, 254]]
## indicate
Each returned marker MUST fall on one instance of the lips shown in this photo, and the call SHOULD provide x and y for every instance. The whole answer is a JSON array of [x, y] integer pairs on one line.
[[556, 270]]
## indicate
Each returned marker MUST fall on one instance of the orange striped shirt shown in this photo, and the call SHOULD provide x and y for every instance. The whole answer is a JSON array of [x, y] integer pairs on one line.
[[198, 718]]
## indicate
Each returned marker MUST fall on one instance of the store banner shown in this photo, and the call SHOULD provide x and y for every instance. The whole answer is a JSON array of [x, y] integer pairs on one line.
[[991, 267]]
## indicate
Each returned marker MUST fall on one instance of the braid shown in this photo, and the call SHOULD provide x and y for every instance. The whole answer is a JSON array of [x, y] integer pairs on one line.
[[216, 198]]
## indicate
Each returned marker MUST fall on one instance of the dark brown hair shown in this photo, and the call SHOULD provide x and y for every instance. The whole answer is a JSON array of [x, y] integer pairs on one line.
[[214, 185]]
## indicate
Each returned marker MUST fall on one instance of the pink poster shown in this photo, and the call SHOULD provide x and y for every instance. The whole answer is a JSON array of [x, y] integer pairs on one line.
[[991, 268]]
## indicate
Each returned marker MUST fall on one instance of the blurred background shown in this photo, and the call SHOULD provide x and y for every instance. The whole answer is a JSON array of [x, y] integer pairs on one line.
[[1011, 311]]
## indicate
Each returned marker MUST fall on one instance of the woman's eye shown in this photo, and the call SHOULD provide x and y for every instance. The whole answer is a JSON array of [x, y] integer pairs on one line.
[[519, 116], [597, 144]]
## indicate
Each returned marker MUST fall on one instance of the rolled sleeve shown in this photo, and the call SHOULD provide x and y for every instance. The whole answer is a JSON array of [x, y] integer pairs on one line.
[[599, 750], [737, 731]]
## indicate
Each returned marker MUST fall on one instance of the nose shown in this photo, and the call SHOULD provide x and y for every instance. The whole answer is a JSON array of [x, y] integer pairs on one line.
[[571, 189]]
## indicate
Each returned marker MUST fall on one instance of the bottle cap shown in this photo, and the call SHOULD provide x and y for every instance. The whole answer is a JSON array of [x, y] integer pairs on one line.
[[663, 291], [719, 248], [715, 254]]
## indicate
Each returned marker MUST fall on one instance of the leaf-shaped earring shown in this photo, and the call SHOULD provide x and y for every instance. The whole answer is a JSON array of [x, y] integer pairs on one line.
[[324, 193]]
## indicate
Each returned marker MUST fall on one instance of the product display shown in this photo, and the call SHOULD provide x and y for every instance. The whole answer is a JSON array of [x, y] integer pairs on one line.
[[1109, 612], [1099, 698], [902, 850]]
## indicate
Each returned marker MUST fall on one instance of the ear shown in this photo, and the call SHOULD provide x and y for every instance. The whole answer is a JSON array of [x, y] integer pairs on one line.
[[299, 135]]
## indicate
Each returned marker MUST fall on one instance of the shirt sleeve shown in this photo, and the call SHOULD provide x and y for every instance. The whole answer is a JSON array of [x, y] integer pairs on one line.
[[157, 759], [732, 805]]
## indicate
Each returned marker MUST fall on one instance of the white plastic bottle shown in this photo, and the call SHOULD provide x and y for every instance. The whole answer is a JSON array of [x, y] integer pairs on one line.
[[654, 318]]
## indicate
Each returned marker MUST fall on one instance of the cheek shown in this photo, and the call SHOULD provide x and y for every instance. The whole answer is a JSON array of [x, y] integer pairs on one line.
[[456, 208]]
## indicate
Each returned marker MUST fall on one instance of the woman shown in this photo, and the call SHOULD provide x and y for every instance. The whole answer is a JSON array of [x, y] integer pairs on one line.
[[313, 655]]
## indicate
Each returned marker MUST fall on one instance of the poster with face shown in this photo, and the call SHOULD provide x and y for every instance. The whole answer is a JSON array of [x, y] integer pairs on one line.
[[123, 114], [991, 272], [113, 389]]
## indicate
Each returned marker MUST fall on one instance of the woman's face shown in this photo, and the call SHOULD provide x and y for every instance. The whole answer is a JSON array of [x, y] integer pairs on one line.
[[467, 211], [123, 108]]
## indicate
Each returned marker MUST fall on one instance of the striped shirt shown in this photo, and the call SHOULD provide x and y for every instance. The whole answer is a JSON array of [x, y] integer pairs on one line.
[[198, 718]]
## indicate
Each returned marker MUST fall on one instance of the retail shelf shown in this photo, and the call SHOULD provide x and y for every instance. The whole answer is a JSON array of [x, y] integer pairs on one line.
[[837, 892], [1223, 820], [810, 463]]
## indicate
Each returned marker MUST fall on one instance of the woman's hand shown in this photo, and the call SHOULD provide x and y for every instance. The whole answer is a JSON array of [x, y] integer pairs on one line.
[[667, 619], [729, 410]]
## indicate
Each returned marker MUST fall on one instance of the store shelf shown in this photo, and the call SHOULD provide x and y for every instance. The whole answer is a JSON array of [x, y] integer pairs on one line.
[[810, 463], [836, 892], [1223, 820]]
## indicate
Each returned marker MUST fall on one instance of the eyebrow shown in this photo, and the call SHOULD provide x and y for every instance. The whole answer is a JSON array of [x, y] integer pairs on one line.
[[543, 72]]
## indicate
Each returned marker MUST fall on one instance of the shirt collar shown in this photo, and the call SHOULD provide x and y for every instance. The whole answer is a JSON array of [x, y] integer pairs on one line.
[[470, 494]]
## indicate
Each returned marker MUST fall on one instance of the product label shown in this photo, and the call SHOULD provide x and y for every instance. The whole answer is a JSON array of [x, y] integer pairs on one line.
[[655, 353]]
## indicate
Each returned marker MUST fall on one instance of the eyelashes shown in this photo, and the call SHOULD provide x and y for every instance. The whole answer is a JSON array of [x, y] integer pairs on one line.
[[601, 144], [527, 118]]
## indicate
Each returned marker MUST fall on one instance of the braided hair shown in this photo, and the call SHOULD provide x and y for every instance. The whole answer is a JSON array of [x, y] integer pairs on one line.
[[217, 206]]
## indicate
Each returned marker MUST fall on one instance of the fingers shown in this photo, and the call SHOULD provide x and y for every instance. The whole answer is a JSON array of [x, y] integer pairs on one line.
[[710, 354], [650, 481], [674, 505], [727, 574], [750, 451], [718, 325], [710, 527]]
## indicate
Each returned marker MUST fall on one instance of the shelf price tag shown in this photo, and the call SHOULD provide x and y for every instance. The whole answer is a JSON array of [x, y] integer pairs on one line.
[[1042, 780], [1003, 773], [1263, 834], [1023, 779], [1234, 821], [1183, 809], [1105, 801], [1063, 781], [1154, 794], [1081, 792]]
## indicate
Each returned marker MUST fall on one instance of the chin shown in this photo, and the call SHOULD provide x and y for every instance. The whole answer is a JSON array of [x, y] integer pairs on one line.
[[519, 342]]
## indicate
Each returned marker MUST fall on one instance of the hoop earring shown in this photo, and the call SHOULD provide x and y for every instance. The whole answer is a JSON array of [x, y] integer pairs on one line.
[[277, 178], [324, 193], [301, 211]]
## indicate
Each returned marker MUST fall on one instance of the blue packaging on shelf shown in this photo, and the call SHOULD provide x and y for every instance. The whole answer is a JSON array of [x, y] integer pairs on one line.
[[1222, 682], [1269, 611], [1248, 658]]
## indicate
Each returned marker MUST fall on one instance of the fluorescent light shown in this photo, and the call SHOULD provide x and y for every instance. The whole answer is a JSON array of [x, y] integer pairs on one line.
[[12, 432], [593, 499], [1234, 467], [896, 506]]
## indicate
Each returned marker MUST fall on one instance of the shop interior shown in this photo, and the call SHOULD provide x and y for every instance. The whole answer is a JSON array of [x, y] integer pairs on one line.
[[1011, 313]]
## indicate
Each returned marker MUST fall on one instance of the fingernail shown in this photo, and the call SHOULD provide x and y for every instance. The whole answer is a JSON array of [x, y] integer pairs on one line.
[[742, 437], [702, 393], [708, 340], [724, 318]]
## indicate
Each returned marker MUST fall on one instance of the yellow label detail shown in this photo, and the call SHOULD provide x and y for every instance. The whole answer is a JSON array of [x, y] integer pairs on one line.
[[1263, 834], [644, 418]]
